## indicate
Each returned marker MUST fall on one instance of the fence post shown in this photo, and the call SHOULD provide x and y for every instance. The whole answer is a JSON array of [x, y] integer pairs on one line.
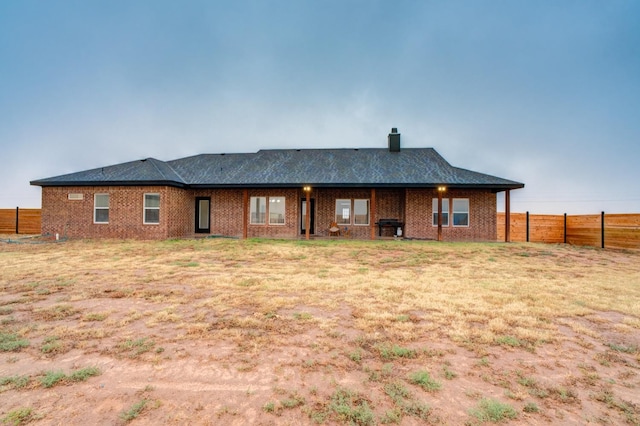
[[602, 229], [527, 226], [565, 228], [17, 220]]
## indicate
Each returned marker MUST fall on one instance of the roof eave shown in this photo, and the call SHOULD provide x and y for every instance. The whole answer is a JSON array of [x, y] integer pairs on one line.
[[110, 183]]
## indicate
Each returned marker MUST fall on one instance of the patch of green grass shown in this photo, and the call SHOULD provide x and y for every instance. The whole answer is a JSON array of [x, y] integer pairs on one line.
[[526, 381], [628, 409], [7, 320], [424, 380], [18, 416], [56, 312], [448, 374], [16, 382], [416, 409], [508, 341], [95, 316], [396, 391], [186, 264], [539, 392], [356, 356], [403, 318], [404, 403], [269, 407], [51, 378], [6, 310], [490, 410], [302, 316], [133, 411], [349, 407], [84, 373], [10, 342], [391, 416], [392, 352], [531, 407], [483, 362], [628, 349], [292, 401], [51, 345], [137, 347]]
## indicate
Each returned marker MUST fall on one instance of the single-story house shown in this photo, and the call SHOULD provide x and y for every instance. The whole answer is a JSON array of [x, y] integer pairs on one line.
[[289, 193]]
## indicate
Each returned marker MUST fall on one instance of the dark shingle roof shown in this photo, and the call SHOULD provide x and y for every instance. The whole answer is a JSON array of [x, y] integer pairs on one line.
[[412, 167]]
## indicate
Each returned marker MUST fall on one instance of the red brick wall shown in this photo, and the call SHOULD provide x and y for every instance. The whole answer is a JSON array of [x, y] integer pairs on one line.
[[326, 208], [225, 211], [74, 219], [482, 215], [291, 226]]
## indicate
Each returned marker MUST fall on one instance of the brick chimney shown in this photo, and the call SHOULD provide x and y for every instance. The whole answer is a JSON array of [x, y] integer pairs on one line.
[[394, 140]]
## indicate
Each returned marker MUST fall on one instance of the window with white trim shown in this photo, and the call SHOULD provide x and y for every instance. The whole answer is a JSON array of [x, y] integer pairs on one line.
[[460, 212], [276, 210], [350, 211], [262, 212], [258, 211], [151, 209], [445, 211], [101, 208], [343, 212], [360, 212]]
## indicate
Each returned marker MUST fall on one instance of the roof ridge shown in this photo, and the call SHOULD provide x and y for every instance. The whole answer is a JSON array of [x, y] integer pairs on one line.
[[155, 161]]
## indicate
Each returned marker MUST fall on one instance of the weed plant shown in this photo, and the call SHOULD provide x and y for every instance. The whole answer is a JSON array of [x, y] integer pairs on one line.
[[491, 410], [12, 342]]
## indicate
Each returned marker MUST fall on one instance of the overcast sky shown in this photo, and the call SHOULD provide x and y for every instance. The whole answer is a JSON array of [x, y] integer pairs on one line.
[[542, 92]]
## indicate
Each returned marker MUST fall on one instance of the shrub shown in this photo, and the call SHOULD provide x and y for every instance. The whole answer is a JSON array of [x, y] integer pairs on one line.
[[424, 380], [11, 342], [490, 410]]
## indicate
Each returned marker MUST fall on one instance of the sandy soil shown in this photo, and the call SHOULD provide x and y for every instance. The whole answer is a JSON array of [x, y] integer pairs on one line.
[[212, 382], [220, 371]]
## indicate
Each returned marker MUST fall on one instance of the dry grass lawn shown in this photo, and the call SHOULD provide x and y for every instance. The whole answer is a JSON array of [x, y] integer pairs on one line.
[[219, 331]]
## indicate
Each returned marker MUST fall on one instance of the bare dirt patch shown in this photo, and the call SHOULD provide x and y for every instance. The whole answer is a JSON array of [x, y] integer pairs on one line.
[[329, 332]]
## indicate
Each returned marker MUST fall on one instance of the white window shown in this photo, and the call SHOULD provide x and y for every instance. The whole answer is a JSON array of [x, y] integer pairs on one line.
[[258, 210], [276, 210], [460, 212], [151, 209], [101, 208], [347, 209], [360, 212], [343, 212], [445, 211]]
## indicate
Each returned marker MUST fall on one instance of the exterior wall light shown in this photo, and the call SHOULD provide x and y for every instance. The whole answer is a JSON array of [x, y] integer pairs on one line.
[[307, 219]]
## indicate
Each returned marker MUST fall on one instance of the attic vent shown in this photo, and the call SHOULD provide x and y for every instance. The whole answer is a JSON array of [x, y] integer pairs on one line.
[[76, 197], [394, 140]]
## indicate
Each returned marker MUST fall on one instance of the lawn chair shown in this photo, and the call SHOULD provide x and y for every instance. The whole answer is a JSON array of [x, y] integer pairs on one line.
[[334, 230]]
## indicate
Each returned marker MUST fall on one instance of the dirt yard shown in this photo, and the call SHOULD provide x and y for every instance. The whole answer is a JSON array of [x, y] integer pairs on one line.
[[219, 331]]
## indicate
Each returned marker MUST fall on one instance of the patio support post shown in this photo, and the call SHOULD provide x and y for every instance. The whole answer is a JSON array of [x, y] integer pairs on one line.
[[441, 189], [245, 212], [372, 209], [307, 216], [507, 216]]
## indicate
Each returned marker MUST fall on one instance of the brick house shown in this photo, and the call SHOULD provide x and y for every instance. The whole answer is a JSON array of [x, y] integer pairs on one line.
[[278, 193]]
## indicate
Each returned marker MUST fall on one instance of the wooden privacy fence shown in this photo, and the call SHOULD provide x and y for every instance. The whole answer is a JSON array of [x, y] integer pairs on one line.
[[598, 230], [20, 221]]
